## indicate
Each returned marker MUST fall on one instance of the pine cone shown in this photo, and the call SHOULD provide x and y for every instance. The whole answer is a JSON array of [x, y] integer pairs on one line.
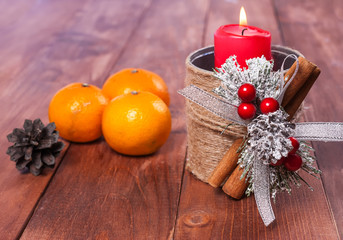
[[35, 147], [269, 136]]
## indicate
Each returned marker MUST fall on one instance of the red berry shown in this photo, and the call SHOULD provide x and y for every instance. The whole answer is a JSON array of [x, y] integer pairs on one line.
[[293, 162], [247, 92], [295, 145], [278, 163], [246, 110], [269, 105]]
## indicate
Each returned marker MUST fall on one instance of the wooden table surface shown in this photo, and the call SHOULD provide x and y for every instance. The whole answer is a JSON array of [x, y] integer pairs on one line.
[[95, 193]]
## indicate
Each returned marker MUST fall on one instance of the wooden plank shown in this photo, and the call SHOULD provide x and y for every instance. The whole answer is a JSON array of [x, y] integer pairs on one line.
[[316, 29], [99, 194], [44, 46], [207, 213]]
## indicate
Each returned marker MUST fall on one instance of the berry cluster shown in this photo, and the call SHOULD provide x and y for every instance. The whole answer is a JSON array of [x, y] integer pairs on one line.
[[293, 161], [247, 110], [247, 93]]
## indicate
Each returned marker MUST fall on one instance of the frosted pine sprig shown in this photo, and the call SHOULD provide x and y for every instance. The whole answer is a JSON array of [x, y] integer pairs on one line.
[[259, 73]]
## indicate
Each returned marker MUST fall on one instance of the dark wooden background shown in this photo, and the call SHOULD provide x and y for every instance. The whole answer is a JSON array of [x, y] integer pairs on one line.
[[95, 193]]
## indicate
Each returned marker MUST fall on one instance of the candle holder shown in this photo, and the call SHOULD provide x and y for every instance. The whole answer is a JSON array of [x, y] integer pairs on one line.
[[210, 136]]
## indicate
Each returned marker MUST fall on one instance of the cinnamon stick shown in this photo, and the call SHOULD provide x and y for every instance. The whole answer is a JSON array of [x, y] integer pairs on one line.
[[304, 71], [234, 186], [299, 97], [226, 165]]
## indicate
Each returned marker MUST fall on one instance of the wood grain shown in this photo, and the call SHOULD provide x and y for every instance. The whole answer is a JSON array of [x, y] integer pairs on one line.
[[207, 213], [44, 46], [316, 28], [119, 197], [96, 193]]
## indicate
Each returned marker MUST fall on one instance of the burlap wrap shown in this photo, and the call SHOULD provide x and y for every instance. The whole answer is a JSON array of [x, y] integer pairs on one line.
[[206, 144]]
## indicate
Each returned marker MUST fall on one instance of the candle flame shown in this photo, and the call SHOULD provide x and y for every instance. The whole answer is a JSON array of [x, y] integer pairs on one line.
[[243, 17]]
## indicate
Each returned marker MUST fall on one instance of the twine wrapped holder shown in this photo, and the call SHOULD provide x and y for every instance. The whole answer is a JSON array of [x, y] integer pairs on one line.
[[206, 144]]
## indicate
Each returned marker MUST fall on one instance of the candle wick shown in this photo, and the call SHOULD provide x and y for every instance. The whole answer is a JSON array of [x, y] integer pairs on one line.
[[243, 31]]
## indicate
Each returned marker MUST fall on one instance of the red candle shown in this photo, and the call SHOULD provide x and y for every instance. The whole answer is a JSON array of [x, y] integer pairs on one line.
[[241, 40]]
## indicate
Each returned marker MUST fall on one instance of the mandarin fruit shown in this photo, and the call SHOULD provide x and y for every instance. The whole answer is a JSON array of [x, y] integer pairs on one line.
[[131, 79], [136, 123], [77, 112]]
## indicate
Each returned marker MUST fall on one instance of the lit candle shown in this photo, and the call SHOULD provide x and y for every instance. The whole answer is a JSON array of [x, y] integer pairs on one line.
[[241, 40]]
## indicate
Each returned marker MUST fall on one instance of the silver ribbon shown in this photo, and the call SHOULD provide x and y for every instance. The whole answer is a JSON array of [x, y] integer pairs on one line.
[[262, 192], [319, 131], [284, 86], [215, 105], [310, 131]]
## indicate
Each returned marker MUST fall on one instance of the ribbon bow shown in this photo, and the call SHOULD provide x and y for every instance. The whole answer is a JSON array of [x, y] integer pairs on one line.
[[311, 131]]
